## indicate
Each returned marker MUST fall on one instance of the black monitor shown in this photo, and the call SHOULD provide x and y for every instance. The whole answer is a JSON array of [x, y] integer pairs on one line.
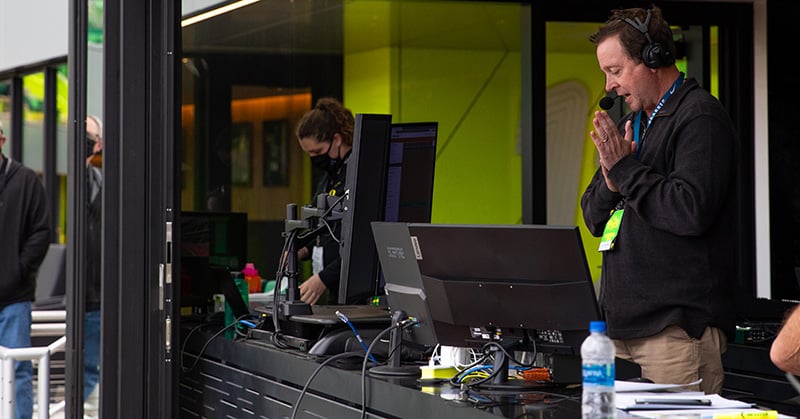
[[405, 296], [404, 289], [520, 287], [366, 185], [399, 190], [209, 240], [514, 283], [409, 181]]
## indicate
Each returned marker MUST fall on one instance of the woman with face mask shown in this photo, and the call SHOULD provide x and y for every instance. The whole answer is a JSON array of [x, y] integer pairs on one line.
[[326, 134]]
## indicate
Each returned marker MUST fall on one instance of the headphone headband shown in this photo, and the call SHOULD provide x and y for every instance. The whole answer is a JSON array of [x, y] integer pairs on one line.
[[654, 54]]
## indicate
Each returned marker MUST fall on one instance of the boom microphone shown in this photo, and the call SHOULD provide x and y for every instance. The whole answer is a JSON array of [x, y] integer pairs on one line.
[[607, 102]]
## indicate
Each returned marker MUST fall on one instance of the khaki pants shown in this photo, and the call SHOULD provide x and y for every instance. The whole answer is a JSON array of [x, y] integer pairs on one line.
[[672, 357]]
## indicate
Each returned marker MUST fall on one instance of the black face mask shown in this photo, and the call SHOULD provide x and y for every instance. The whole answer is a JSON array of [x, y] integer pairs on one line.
[[326, 162], [89, 146]]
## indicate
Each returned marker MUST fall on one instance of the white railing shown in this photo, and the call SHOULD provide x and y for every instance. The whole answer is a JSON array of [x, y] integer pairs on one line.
[[38, 355]]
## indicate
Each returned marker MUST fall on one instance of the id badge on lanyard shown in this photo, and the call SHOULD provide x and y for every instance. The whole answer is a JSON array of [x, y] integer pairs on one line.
[[317, 260], [611, 230]]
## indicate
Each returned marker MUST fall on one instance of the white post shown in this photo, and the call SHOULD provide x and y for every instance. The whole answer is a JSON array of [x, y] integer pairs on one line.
[[44, 386], [40, 356], [8, 388]]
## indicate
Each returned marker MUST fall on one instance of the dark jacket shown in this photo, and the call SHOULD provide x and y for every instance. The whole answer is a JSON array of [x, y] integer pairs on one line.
[[93, 254], [674, 260], [24, 231], [331, 184]]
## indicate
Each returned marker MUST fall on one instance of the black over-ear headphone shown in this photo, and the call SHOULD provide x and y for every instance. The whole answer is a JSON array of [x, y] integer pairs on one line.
[[654, 54]]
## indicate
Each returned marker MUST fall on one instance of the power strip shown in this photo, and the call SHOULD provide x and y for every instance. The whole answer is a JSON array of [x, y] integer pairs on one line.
[[438, 372]]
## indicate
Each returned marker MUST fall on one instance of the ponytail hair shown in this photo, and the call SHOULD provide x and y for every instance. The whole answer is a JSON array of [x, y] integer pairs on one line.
[[328, 117]]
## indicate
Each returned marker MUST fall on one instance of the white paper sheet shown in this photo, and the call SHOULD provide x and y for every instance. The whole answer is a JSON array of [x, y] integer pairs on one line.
[[695, 414]]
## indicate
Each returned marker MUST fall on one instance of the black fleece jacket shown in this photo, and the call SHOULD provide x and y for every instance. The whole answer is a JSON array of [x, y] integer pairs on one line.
[[674, 260], [332, 184], [24, 231], [94, 252]]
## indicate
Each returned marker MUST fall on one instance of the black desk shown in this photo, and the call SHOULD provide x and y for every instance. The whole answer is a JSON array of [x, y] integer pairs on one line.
[[254, 379], [751, 376]]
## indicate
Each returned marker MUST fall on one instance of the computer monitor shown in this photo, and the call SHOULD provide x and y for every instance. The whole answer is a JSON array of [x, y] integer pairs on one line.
[[522, 287], [521, 283], [366, 185], [406, 195], [405, 296], [404, 289], [409, 180], [209, 240]]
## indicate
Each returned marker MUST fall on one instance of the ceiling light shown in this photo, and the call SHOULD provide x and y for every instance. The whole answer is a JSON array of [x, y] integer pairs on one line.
[[216, 12]]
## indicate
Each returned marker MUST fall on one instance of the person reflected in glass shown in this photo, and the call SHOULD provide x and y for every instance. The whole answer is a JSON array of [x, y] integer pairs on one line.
[[93, 254], [25, 232]]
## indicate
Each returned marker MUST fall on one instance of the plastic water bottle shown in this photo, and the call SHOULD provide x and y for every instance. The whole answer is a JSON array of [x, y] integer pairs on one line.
[[597, 362]]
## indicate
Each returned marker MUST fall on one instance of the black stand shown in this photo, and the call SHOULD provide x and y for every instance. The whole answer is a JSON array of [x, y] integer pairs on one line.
[[325, 208], [393, 367], [501, 382], [292, 305]]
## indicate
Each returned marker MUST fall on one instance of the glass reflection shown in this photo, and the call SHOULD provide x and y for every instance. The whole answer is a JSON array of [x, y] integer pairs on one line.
[[93, 252], [249, 74], [33, 121], [5, 114], [62, 89]]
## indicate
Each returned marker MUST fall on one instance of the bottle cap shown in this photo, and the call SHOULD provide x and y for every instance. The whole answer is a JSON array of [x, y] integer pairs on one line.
[[597, 326], [250, 270]]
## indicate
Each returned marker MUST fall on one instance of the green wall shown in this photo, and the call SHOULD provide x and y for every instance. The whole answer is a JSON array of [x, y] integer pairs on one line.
[[475, 97], [583, 69]]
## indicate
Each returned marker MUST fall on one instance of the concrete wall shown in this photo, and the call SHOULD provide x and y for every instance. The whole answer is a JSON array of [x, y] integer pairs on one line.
[[32, 31]]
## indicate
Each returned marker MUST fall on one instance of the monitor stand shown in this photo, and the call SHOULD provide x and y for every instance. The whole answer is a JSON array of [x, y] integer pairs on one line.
[[500, 381], [292, 305], [393, 367]]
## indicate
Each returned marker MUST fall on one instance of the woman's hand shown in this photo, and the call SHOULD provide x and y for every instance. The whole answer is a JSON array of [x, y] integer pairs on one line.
[[311, 289]]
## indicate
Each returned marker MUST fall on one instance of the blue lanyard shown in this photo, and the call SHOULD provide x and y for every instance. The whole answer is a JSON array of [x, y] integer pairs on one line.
[[638, 122]]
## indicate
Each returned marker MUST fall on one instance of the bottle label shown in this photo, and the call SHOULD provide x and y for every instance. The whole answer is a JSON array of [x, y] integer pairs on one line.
[[598, 374]]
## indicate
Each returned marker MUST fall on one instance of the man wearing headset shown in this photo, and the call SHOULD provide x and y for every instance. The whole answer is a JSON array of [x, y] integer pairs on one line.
[[25, 233], [663, 201]]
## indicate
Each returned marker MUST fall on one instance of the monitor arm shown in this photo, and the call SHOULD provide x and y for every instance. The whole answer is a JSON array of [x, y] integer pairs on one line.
[[327, 208]]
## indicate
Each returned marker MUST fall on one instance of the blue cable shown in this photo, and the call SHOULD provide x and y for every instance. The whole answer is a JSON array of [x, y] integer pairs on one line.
[[347, 321], [473, 369], [248, 323]]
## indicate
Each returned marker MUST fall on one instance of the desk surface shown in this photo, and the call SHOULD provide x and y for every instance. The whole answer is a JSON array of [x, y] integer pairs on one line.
[[253, 378]]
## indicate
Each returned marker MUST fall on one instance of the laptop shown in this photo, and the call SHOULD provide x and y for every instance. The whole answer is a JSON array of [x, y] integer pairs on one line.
[[223, 277], [358, 314]]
